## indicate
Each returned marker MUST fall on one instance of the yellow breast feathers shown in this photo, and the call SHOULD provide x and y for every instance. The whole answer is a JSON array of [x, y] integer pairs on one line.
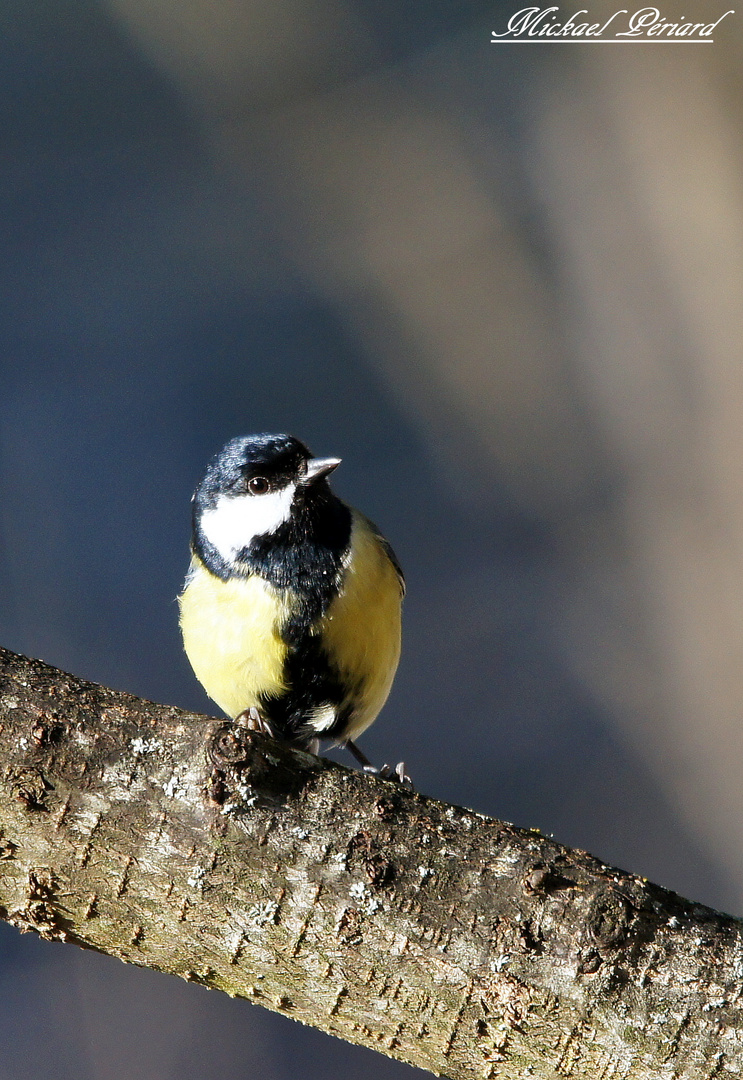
[[361, 629], [231, 636]]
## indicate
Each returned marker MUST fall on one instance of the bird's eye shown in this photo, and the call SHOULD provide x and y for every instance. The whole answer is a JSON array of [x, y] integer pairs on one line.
[[258, 485]]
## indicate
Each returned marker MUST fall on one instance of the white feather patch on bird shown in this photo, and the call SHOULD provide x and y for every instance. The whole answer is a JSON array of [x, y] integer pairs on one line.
[[237, 519], [323, 717]]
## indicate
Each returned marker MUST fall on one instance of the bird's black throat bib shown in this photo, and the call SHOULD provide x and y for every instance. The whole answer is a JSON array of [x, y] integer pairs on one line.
[[305, 554]]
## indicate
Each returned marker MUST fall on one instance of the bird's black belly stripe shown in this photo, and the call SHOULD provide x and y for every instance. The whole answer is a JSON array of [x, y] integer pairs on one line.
[[312, 683]]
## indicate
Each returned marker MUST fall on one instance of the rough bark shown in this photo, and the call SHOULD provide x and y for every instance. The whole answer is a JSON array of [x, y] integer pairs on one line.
[[446, 939]]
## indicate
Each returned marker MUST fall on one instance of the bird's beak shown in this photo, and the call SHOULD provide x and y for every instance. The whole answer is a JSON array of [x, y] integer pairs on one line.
[[319, 467]]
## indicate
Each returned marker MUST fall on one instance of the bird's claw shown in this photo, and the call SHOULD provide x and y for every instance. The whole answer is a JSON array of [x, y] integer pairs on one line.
[[387, 772], [253, 720]]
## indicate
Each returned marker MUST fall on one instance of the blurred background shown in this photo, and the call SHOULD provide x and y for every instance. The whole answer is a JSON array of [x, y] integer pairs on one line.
[[504, 285]]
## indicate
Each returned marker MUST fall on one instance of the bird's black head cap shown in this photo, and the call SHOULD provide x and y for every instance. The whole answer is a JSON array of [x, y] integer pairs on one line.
[[280, 458]]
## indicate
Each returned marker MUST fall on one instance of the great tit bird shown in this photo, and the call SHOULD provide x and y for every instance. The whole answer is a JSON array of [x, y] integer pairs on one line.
[[290, 612]]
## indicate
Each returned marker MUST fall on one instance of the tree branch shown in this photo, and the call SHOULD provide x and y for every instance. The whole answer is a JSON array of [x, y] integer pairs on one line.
[[446, 939]]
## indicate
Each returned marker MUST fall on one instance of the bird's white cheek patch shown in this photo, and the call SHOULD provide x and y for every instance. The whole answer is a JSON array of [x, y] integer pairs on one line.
[[237, 519]]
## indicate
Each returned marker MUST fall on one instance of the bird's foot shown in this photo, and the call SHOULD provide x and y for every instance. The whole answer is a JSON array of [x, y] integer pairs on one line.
[[253, 720], [387, 772]]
